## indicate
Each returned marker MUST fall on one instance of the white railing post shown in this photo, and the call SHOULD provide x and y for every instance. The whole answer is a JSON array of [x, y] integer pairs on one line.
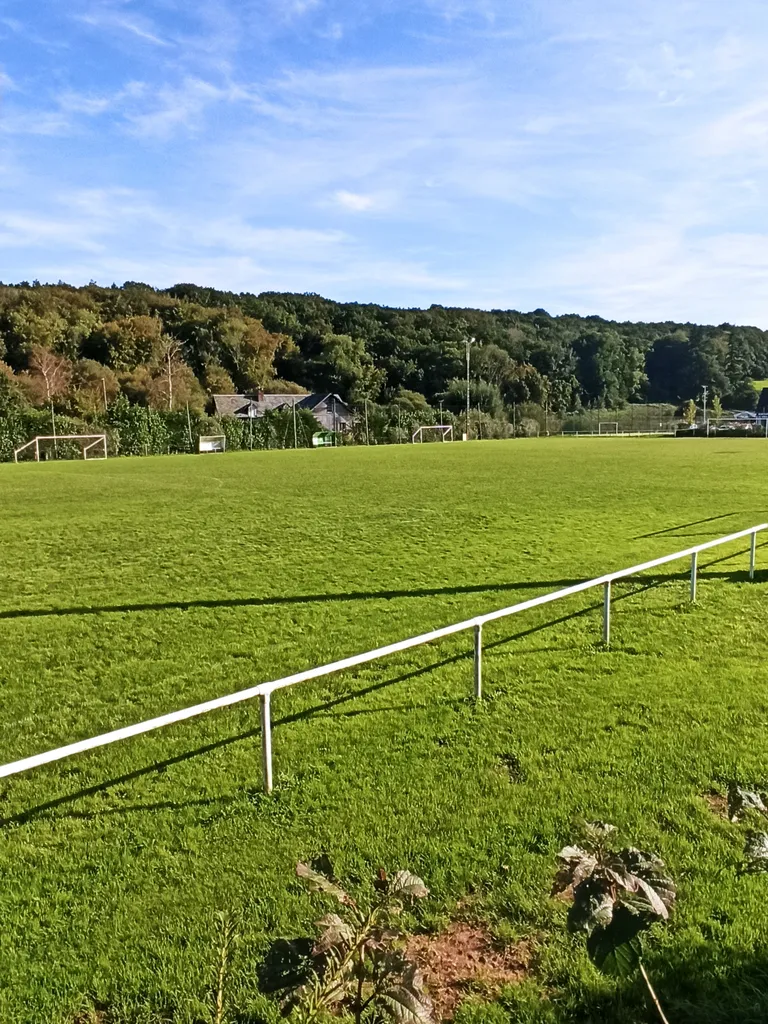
[[266, 743], [478, 661], [752, 547], [607, 614], [694, 565]]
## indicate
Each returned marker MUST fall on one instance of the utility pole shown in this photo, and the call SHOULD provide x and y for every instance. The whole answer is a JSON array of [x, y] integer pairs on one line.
[[367, 441], [468, 342], [293, 408], [704, 392], [104, 389], [441, 411]]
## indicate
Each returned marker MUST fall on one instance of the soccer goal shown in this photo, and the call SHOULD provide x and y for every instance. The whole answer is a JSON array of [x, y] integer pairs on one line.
[[92, 446], [211, 443], [611, 427], [442, 432]]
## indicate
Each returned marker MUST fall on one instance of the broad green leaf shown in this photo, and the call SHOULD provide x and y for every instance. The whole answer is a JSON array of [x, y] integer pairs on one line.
[[653, 871], [336, 932], [404, 883], [576, 865], [742, 800], [616, 949], [597, 833], [408, 1003], [619, 961], [592, 905], [654, 901], [322, 883], [756, 851]]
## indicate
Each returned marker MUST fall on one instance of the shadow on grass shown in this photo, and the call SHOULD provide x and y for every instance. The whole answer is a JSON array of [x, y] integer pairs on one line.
[[354, 595], [639, 585], [684, 526], [704, 985], [258, 602]]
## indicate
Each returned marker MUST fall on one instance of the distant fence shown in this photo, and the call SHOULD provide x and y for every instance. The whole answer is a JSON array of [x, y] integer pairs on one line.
[[264, 691], [617, 433]]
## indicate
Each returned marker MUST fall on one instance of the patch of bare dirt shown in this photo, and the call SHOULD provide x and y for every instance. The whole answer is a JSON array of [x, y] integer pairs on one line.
[[98, 1015], [463, 958], [718, 804]]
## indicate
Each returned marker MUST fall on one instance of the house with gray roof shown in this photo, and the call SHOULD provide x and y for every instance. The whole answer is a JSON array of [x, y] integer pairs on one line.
[[330, 410]]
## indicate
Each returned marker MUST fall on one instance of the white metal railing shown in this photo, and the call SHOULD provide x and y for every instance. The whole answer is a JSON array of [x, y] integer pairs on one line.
[[264, 690]]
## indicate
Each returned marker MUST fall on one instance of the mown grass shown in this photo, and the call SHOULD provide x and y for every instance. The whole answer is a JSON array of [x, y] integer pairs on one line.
[[135, 587]]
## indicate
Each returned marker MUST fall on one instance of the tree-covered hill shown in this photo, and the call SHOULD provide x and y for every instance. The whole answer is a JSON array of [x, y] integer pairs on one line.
[[78, 350]]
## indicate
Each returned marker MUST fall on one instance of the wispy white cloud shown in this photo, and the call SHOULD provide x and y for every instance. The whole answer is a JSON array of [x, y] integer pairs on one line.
[[600, 156], [659, 272], [7, 84], [23, 122], [175, 107], [353, 201], [114, 20]]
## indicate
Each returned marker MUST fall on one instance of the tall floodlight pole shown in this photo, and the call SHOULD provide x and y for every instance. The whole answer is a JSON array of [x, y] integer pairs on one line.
[[468, 342], [704, 391], [295, 440]]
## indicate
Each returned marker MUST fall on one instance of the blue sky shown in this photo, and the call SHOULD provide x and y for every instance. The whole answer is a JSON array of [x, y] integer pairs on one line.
[[588, 156]]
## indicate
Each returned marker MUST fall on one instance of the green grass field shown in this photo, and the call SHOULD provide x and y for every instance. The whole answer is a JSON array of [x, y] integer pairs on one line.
[[134, 587]]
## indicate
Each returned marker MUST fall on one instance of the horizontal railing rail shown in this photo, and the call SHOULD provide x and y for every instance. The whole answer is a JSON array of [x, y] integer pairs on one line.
[[264, 690]]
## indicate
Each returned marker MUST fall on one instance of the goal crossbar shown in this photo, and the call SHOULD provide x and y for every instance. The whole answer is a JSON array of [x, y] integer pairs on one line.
[[444, 429], [212, 443], [94, 439]]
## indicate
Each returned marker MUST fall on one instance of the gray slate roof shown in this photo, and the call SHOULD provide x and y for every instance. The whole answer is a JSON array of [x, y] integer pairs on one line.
[[233, 405], [239, 405]]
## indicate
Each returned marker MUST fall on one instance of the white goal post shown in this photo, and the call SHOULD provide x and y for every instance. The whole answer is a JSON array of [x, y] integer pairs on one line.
[[445, 430], [96, 448], [212, 443], [611, 427]]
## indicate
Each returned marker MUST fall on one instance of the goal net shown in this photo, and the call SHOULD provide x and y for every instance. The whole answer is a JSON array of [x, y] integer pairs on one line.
[[212, 443], [611, 427], [45, 446], [439, 432]]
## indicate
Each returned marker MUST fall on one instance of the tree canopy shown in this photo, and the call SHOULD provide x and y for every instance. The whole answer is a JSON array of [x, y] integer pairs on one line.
[[76, 350]]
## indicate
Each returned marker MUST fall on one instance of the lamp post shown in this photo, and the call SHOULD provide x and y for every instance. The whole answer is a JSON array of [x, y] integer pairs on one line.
[[468, 342]]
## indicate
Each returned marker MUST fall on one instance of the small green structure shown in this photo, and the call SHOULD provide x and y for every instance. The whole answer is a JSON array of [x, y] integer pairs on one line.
[[324, 439]]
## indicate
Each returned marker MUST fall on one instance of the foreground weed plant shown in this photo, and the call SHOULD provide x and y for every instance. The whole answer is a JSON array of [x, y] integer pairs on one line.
[[617, 894], [227, 940], [359, 963]]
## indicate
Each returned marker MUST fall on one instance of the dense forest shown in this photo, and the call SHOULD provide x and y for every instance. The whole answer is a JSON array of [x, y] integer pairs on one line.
[[129, 355]]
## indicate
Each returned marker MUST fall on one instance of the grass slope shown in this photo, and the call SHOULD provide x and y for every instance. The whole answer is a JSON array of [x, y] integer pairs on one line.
[[135, 587]]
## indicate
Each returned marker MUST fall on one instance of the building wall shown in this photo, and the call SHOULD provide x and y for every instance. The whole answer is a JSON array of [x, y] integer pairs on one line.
[[324, 414]]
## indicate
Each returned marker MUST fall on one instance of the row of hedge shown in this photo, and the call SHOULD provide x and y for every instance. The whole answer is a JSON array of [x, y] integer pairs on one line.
[[136, 430]]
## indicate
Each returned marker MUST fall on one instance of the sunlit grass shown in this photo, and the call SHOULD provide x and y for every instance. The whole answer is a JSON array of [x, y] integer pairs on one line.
[[139, 586]]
